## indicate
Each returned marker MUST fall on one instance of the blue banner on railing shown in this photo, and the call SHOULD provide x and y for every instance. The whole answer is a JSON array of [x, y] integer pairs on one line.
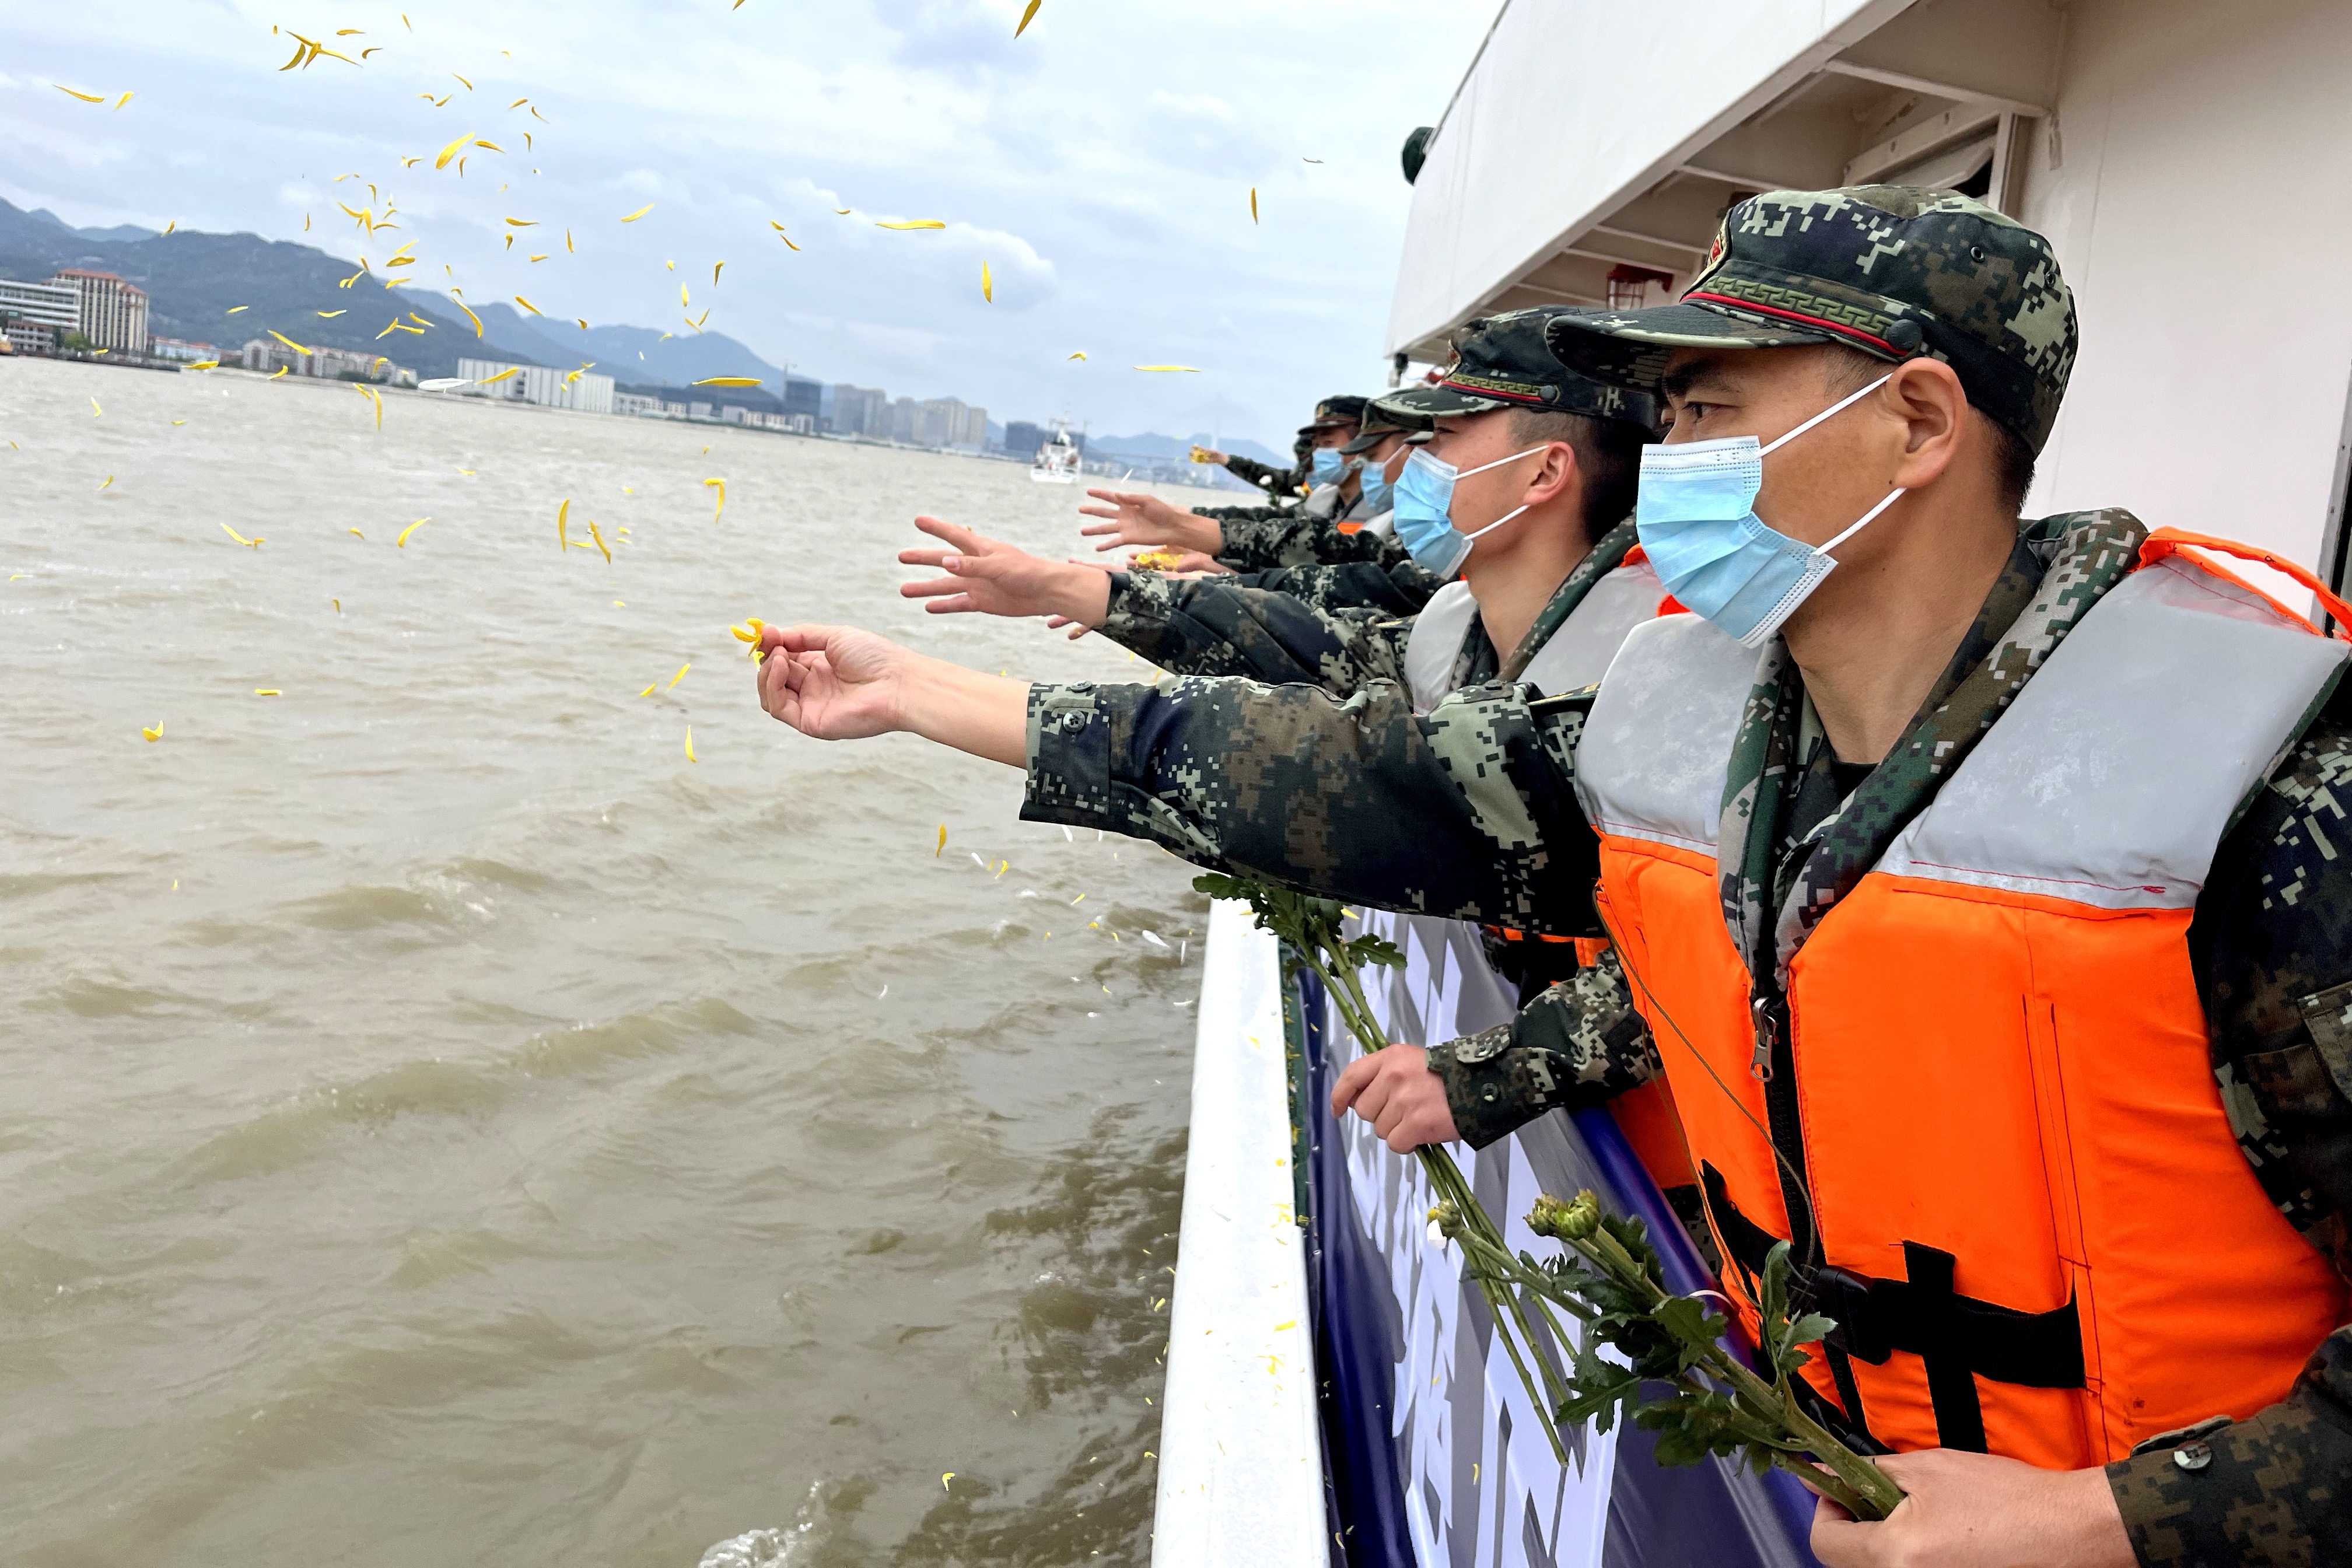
[[1435, 1456]]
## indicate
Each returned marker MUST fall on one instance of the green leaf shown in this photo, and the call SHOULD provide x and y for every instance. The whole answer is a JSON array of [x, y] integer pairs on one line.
[[1807, 1329], [1772, 1299]]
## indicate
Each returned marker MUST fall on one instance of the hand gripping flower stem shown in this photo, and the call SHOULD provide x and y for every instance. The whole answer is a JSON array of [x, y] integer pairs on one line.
[[1674, 1339], [1311, 927]]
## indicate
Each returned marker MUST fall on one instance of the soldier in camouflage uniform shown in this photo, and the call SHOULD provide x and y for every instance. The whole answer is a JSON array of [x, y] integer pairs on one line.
[[1472, 811], [1334, 417], [1230, 624], [1344, 518]]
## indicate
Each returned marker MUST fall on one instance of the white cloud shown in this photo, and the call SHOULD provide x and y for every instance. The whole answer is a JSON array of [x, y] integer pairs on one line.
[[1099, 164]]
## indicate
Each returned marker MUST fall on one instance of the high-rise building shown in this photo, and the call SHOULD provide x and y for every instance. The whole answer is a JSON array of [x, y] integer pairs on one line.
[[949, 422], [1022, 439], [903, 422], [113, 314], [858, 411], [803, 395]]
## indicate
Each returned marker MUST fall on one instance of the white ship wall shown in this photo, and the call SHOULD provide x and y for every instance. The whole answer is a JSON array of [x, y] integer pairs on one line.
[[2186, 160]]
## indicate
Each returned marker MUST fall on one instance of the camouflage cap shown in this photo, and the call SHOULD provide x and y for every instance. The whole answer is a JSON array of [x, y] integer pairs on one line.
[[1336, 413], [1501, 362], [1380, 422], [1892, 270]]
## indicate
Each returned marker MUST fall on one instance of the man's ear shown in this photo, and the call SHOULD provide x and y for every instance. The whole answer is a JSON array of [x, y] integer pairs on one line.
[[1926, 396], [1557, 474]]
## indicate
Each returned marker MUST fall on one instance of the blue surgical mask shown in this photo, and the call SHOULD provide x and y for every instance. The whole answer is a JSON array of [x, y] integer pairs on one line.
[[1374, 482], [1695, 513], [1327, 467], [1424, 502]]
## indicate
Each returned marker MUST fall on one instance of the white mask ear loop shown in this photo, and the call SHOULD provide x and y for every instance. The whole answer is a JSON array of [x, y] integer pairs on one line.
[[1892, 497], [1507, 516], [1497, 463], [1465, 473], [1839, 406]]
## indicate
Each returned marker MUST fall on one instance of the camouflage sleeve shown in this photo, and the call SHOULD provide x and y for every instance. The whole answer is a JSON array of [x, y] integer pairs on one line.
[[1576, 1043], [1294, 538], [1264, 476], [1403, 589], [2272, 949], [1213, 625], [1233, 515], [1468, 812]]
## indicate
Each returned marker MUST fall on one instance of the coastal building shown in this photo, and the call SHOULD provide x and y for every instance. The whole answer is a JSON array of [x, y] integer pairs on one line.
[[36, 315], [2098, 122], [584, 390], [805, 395], [858, 411], [903, 420], [1023, 437], [180, 351], [113, 314], [637, 404], [269, 355]]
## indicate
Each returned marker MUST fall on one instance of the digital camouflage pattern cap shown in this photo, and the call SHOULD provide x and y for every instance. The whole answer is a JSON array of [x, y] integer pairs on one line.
[[1381, 422], [1502, 362], [1892, 270], [1336, 413]]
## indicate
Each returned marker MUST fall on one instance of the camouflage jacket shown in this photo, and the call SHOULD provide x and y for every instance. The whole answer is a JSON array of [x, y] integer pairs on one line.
[[1295, 537], [1398, 590], [1470, 811], [1264, 476], [1214, 626]]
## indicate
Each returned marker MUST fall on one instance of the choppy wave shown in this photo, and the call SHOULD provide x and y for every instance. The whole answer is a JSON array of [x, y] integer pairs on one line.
[[446, 1124]]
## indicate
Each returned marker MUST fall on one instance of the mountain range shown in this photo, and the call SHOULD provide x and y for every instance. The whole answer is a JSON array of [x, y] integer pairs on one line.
[[194, 281]]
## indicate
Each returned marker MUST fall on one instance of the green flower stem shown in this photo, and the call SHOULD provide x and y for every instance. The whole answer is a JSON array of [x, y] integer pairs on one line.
[[1511, 1325], [1875, 1494]]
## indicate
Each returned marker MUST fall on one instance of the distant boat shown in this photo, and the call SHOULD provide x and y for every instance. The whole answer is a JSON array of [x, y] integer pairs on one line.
[[1056, 462]]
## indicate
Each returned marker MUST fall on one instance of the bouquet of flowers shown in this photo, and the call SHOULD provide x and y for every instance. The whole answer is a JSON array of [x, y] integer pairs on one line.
[[1665, 1366]]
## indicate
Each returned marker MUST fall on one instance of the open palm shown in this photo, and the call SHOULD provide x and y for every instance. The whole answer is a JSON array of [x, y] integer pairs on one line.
[[1138, 519], [986, 574]]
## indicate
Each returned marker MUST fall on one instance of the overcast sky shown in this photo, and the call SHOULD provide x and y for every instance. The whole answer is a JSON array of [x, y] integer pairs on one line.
[[1100, 165]]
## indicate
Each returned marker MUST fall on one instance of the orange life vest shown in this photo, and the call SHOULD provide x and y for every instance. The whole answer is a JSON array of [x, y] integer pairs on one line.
[[2036, 1229]]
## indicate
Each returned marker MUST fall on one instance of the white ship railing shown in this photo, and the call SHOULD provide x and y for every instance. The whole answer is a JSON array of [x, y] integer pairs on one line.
[[1241, 1466]]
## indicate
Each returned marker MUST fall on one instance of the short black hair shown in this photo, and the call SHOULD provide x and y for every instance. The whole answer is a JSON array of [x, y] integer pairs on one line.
[[1850, 370], [1608, 456]]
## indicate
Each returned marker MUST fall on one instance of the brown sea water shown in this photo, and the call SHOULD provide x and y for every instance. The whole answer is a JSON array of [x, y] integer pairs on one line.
[[439, 1122]]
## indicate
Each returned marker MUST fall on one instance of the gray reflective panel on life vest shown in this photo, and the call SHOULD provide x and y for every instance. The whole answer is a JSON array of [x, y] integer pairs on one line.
[[1580, 653], [1381, 526], [1435, 645], [1654, 752], [2112, 777]]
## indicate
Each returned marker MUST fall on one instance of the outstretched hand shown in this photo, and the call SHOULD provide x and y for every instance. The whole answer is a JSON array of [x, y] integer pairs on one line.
[[839, 683], [1136, 518], [994, 578]]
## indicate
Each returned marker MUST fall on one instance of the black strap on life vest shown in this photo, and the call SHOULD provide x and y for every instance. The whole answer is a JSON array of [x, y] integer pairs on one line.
[[1960, 1338]]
